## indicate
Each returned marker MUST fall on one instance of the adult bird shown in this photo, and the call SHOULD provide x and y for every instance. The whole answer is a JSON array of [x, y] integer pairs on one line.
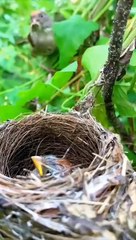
[[41, 36]]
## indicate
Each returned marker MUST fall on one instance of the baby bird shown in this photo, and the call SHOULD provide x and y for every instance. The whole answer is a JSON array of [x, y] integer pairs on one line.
[[50, 163]]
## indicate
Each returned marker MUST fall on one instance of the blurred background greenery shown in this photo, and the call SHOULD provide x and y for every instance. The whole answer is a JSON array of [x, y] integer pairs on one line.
[[82, 39]]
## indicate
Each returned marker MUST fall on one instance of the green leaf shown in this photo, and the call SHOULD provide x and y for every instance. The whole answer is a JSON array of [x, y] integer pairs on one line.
[[39, 90], [62, 77], [133, 59], [11, 112], [45, 91], [102, 41], [70, 34], [71, 67], [124, 107], [132, 96], [131, 155], [94, 58]]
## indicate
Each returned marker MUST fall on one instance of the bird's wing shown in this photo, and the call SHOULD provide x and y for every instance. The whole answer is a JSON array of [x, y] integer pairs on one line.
[[30, 40]]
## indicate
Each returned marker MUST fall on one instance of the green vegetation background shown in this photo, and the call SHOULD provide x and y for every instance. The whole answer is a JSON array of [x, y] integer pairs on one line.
[[25, 85]]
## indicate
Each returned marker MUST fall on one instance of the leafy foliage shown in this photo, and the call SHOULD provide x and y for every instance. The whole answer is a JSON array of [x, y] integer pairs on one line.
[[94, 58], [74, 30]]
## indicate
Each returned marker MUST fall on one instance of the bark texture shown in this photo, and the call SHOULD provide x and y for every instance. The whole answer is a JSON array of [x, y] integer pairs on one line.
[[111, 68]]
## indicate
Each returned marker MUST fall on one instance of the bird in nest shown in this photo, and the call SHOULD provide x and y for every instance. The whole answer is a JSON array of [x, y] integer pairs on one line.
[[52, 165]]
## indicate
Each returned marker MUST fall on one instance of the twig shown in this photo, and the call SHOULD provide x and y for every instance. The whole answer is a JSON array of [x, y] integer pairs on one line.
[[111, 68]]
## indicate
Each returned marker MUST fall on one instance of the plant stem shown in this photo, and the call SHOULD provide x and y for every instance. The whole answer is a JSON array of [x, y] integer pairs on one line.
[[103, 10], [79, 7], [111, 68], [87, 9], [97, 8], [130, 25]]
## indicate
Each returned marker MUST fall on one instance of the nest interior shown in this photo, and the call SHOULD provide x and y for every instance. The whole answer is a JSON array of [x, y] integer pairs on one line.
[[75, 138]]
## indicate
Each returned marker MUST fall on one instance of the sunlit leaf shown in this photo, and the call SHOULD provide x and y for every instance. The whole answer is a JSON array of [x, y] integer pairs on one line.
[[94, 58], [133, 59], [70, 34], [11, 112]]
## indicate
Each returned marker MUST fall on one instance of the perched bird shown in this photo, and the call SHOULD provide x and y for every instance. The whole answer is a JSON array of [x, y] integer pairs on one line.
[[41, 36], [52, 164]]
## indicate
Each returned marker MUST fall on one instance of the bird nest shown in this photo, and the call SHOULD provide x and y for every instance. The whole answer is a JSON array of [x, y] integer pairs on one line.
[[96, 200]]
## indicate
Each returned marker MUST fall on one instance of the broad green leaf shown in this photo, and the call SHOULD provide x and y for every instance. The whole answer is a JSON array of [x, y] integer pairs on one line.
[[10, 96], [71, 67], [124, 107], [61, 78], [39, 90], [132, 96], [11, 112], [133, 59], [94, 58], [102, 41], [45, 91], [70, 35]]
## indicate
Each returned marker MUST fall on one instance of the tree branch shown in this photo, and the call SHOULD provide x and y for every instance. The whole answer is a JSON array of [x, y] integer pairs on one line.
[[111, 68]]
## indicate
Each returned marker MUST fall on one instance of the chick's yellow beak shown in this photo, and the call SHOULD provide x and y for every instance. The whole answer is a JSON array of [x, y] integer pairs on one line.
[[37, 160]]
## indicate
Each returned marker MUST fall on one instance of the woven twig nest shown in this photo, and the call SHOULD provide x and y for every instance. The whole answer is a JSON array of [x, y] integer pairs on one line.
[[97, 200], [77, 139]]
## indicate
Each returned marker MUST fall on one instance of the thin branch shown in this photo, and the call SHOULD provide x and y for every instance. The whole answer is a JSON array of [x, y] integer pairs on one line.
[[111, 68]]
